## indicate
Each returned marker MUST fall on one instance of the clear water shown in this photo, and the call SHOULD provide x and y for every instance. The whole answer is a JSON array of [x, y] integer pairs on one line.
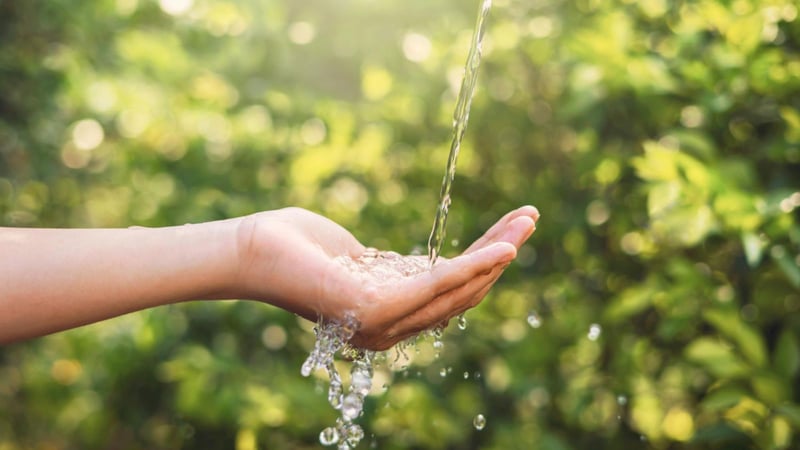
[[333, 337], [460, 119], [479, 422]]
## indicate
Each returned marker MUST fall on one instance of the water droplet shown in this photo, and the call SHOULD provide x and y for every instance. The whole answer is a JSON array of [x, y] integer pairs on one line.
[[594, 332], [352, 406], [462, 322], [534, 320], [479, 422], [308, 366], [360, 382], [622, 400], [466, 375], [329, 436], [443, 372], [437, 334]]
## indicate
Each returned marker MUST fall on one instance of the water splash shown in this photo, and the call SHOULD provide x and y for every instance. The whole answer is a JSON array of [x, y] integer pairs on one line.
[[479, 422], [333, 337], [460, 119]]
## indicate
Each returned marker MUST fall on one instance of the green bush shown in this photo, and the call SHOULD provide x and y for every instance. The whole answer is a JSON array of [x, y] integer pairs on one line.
[[660, 140]]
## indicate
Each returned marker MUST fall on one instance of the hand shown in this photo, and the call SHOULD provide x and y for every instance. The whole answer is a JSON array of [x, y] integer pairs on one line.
[[292, 258]]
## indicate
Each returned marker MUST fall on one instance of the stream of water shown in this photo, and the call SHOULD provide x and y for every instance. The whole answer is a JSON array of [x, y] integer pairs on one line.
[[460, 119]]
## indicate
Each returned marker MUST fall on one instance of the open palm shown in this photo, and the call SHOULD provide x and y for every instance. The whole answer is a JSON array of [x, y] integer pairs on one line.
[[292, 258]]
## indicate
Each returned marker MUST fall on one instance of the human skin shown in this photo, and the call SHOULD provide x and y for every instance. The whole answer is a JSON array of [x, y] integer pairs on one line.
[[56, 279]]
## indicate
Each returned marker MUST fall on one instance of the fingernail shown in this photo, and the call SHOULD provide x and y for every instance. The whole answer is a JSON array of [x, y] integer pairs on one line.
[[536, 214]]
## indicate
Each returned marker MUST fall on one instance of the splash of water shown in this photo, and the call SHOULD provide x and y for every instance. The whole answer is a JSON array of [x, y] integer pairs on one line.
[[333, 337], [460, 119]]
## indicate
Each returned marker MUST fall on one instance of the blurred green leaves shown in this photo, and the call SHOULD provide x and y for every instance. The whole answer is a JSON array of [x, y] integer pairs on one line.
[[660, 140]]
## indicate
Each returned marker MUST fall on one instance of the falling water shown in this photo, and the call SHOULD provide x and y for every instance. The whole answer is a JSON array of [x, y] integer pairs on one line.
[[460, 118]]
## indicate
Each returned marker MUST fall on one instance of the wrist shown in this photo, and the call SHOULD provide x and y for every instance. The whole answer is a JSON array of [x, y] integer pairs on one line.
[[208, 254]]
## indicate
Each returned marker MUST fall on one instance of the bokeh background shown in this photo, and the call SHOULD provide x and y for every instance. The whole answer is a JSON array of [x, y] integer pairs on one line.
[[660, 140]]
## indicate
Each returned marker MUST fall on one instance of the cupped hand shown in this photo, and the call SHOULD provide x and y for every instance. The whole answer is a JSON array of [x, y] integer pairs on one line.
[[293, 258]]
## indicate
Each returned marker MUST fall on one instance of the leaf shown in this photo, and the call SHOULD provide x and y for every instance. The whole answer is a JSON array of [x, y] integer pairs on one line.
[[686, 226], [770, 388], [787, 264], [662, 197], [630, 302], [658, 163], [791, 411], [753, 248], [723, 398], [787, 354], [780, 432], [750, 342], [716, 357], [748, 415], [696, 144]]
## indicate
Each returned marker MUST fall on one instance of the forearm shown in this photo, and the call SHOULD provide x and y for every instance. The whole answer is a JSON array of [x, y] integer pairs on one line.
[[54, 279]]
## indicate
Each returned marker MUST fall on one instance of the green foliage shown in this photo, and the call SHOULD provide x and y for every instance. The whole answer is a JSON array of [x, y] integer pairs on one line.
[[660, 140]]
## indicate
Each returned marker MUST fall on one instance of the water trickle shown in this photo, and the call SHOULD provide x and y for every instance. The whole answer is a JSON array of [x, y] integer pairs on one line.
[[462, 322], [460, 119], [333, 336], [479, 422], [437, 333]]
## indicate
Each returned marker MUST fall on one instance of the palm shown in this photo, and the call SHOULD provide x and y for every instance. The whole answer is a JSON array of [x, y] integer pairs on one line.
[[293, 260]]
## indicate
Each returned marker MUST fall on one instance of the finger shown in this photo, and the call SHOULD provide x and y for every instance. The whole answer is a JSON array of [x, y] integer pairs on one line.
[[460, 299], [498, 230], [460, 270], [477, 298], [446, 306], [518, 231], [446, 276]]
